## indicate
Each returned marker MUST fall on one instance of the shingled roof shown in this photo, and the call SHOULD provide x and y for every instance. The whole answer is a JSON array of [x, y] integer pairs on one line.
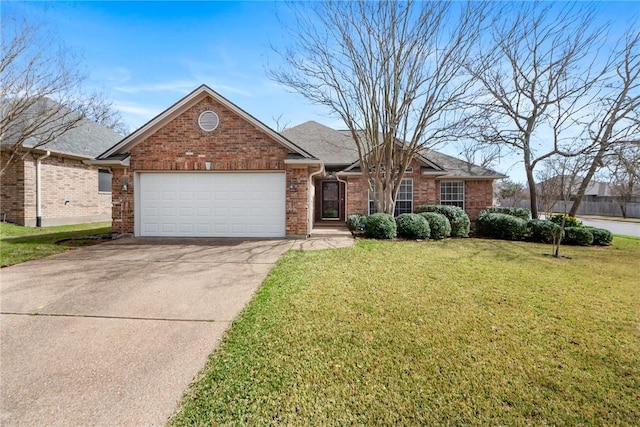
[[86, 140], [324, 143], [336, 148]]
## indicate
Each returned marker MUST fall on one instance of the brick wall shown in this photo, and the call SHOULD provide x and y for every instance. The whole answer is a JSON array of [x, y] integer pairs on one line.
[[297, 204], [478, 195], [12, 197], [69, 192], [426, 191], [235, 145]]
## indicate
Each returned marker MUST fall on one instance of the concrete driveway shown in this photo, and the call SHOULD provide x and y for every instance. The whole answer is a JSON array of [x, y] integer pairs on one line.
[[122, 328]]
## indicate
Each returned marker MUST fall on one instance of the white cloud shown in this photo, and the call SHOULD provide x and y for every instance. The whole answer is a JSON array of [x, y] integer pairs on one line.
[[135, 115], [179, 86]]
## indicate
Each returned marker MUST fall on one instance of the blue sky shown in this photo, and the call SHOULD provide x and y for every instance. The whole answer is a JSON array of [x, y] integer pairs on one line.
[[144, 56]]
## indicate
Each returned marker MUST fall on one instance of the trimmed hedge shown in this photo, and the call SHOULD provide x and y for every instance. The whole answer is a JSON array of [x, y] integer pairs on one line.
[[355, 222], [458, 219], [601, 237], [570, 221], [542, 230], [517, 212], [579, 236], [439, 225], [501, 226], [412, 226], [380, 226]]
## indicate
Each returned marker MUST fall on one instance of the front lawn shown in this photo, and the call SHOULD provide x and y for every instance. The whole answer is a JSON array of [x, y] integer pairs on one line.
[[19, 244], [457, 332]]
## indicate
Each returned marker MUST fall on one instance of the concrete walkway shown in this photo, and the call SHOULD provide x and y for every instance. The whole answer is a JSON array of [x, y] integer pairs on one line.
[[323, 237]]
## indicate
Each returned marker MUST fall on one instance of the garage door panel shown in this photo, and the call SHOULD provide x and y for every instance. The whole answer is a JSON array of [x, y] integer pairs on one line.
[[212, 204]]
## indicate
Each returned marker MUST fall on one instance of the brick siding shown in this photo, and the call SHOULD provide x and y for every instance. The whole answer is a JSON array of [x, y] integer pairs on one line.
[[69, 192], [426, 191], [235, 145]]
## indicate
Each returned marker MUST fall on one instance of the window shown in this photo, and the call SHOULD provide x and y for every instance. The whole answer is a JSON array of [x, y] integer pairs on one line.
[[104, 180], [452, 193], [404, 201]]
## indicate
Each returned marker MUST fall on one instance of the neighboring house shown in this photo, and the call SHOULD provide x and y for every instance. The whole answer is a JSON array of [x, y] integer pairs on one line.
[[53, 184], [563, 186], [204, 167]]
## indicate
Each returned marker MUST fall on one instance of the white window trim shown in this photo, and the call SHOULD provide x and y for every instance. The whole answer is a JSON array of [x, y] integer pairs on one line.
[[104, 170], [464, 190], [369, 199]]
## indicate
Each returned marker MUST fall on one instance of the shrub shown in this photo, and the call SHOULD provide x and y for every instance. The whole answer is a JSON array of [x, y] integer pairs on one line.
[[439, 225], [570, 221], [412, 226], [355, 222], [380, 226], [458, 219], [579, 236], [542, 230], [501, 226], [601, 237], [517, 212]]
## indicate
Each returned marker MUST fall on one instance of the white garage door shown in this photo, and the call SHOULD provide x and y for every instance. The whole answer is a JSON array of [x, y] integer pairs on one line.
[[211, 204]]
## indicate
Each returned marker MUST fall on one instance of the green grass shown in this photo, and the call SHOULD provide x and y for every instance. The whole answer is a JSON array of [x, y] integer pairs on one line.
[[19, 244], [459, 332]]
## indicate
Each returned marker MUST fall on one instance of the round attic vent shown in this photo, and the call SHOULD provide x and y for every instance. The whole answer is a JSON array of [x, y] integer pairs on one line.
[[208, 121]]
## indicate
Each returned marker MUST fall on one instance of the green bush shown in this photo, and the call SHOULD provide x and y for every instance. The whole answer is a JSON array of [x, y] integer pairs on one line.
[[601, 237], [570, 221], [517, 212], [542, 230], [380, 226], [458, 219], [579, 236], [439, 225], [355, 222], [501, 226], [412, 226]]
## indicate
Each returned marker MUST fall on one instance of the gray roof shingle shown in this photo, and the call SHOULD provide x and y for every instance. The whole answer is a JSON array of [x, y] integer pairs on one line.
[[324, 143], [87, 140], [335, 147]]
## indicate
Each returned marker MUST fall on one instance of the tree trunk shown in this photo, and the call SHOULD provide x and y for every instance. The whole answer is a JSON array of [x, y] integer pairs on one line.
[[585, 182], [533, 194]]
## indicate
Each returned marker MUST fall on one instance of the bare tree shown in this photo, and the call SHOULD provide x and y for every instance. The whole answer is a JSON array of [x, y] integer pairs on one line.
[[615, 119], [390, 70], [510, 192], [41, 96], [623, 168], [535, 77]]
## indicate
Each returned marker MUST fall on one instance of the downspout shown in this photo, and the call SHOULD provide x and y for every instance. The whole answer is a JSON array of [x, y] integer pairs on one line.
[[311, 190], [39, 188], [346, 194]]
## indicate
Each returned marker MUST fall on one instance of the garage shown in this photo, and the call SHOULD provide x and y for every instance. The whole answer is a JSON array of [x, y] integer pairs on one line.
[[210, 204]]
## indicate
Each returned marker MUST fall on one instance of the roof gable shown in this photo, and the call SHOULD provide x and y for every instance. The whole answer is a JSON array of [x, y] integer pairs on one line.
[[184, 104]]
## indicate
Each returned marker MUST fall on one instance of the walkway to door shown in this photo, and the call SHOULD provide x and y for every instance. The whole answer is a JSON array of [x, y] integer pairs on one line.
[[326, 237]]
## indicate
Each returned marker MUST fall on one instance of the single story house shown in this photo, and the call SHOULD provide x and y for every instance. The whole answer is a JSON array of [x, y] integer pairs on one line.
[[54, 184], [206, 168]]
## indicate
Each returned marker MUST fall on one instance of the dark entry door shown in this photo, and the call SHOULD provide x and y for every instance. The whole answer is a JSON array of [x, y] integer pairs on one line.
[[330, 200]]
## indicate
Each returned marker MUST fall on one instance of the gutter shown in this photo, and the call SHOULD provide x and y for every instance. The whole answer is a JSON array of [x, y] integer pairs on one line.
[[39, 187], [109, 162], [310, 198]]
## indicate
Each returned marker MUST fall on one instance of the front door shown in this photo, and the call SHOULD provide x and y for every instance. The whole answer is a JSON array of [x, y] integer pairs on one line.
[[330, 208]]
